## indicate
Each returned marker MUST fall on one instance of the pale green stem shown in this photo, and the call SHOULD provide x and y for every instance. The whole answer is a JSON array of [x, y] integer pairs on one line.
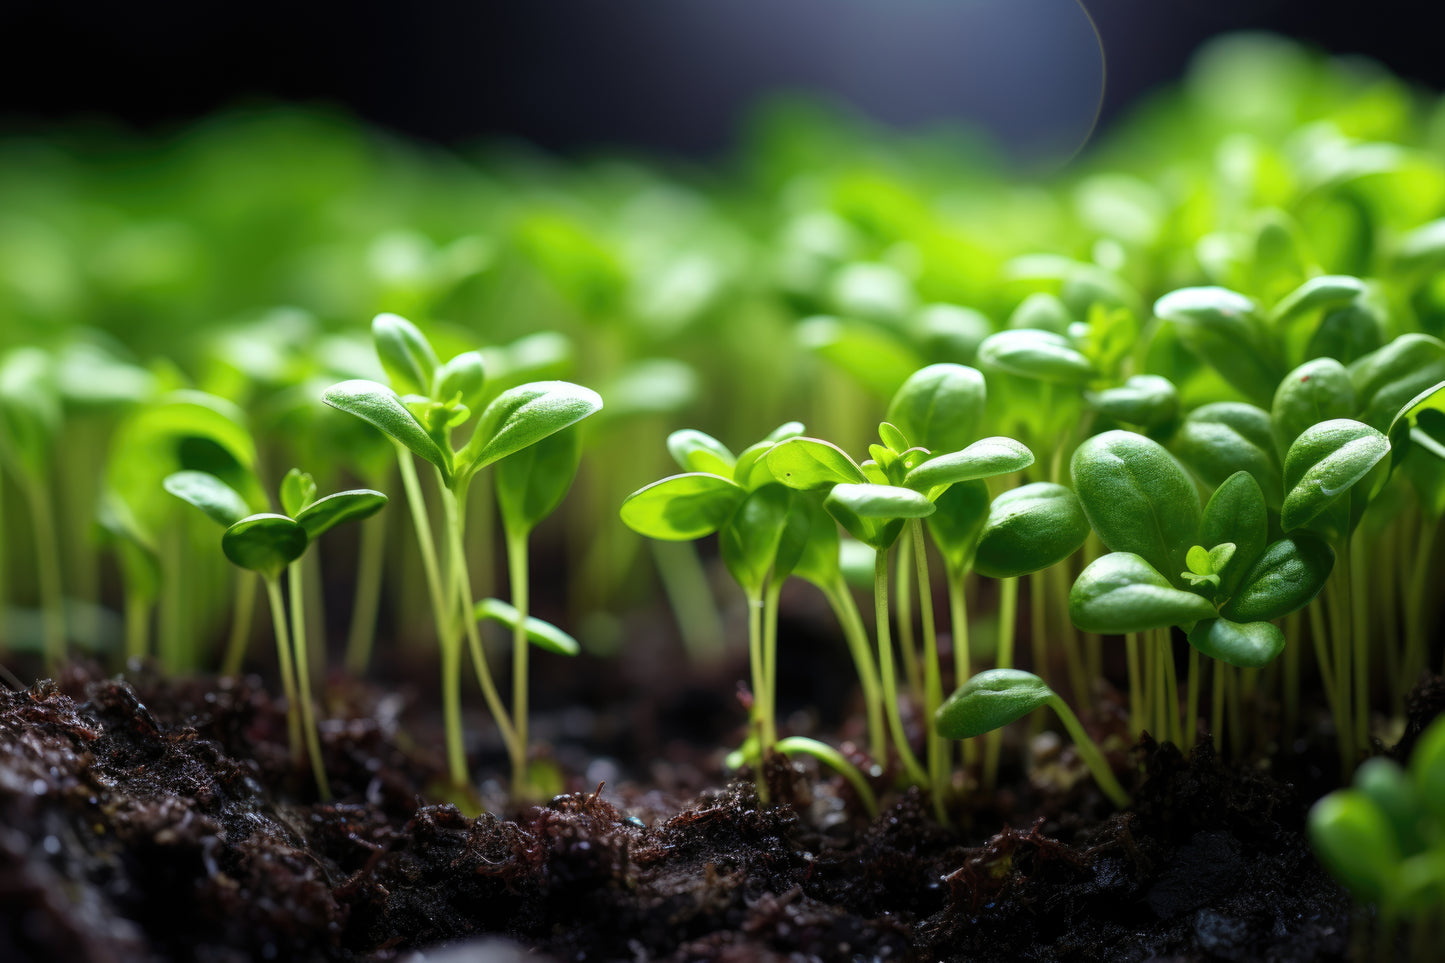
[[1089, 752], [297, 588], [1191, 712], [172, 622], [770, 658], [685, 583], [47, 565], [958, 624], [885, 665], [939, 756], [518, 580], [137, 625], [241, 615], [1008, 604], [1038, 625], [1337, 590], [840, 597], [758, 671], [370, 566], [288, 672], [1171, 682], [825, 753], [1138, 702], [311, 583], [903, 604], [1357, 596]]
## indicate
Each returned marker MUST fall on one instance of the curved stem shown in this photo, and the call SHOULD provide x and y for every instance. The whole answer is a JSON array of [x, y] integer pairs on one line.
[[245, 608], [825, 753], [1089, 751], [885, 665], [840, 597], [303, 679], [370, 564], [288, 673]]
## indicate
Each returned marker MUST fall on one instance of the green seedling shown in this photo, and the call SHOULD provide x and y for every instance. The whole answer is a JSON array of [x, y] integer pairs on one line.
[[997, 697], [426, 403], [268, 544]]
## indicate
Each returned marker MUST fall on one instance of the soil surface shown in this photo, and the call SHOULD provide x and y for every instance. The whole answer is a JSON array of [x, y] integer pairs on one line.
[[129, 831]]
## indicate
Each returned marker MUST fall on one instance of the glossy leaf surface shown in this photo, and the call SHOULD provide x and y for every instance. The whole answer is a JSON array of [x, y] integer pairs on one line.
[[379, 406], [326, 513], [1029, 529], [990, 700], [1121, 592], [681, 507], [264, 543], [544, 635]]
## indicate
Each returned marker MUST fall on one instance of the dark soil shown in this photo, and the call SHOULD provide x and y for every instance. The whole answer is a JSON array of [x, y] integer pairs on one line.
[[132, 832]]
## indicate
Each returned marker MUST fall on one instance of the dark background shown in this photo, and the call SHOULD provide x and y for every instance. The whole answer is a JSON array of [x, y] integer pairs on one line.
[[669, 75]]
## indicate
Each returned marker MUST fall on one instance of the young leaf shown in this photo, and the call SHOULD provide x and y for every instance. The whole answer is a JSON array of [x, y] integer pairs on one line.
[[1284, 579], [1121, 592], [896, 441], [1431, 404], [1144, 400], [1037, 355], [990, 700], [985, 458], [264, 543], [405, 354], [1137, 497], [819, 562], [1352, 837], [326, 513], [525, 415], [219, 501], [1217, 440], [694, 450], [1324, 463], [544, 635], [682, 507], [1324, 292], [463, 378], [1029, 529], [749, 540], [957, 522], [531, 483], [1223, 328], [298, 489], [1391, 788], [1316, 391], [1386, 379], [810, 463], [939, 407], [1243, 645], [379, 406], [873, 513], [1236, 515]]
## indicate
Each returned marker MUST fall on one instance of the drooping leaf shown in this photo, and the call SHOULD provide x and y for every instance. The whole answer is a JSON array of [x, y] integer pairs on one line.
[[1029, 529], [1137, 497], [1223, 328], [694, 450], [405, 353], [682, 507], [1386, 379], [219, 501], [1429, 403], [544, 635], [820, 561], [1249, 645], [1324, 463], [811, 463], [749, 540], [939, 407], [525, 415], [1037, 355], [985, 458], [264, 543], [1285, 578], [1121, 592], [378, 405], [326, 513], [990, 700], [531, 483], [874, 514]]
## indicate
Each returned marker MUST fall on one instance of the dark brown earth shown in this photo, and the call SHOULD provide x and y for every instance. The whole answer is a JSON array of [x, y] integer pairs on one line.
[[156, 820]]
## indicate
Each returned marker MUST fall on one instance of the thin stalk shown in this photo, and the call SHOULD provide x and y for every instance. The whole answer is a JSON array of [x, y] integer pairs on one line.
[[1418, 582], [311, 583], [241, 616], [939, 756], [1236, 716], [770, 657], [297, 589], [685, 583], [1291, 673], [517, 579], [137, 625], [172, 620], [1191, 712], [1089, 751], [885, 665], [1171, 683], [840, 597], [903, 604], [825, 753], [1161, 690], [1008, 603], [1339, 620], [758, 671], [1384, 577], [1056, 584], [1357, 598], [370, 566], [1216, 715], [47, 565], [1038, 626], [1138, 702], [958, 624], [288, 672]]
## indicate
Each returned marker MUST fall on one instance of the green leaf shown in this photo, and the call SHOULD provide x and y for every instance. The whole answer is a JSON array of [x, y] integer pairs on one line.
[[1386, 379], [874, 514], [811, 463], [1244, 646], [939, 407], [1316, 391], [682, 507], [544, 635], [463, 379], [1318, 293], [1285, 578], [1029, 529], [531, 483], [326, 513], [379, 406], [750, 538], [985, 458], [1041, 311], [264, 543], [694, 450], [957, 522], [1391, 788], [896, 441], [30, 415], [219, 501], [525, 415], [788, 429], [1236, 515], [1217, 440], [1223, 328], [298, 489], [1137, 497], [1121, 592], [819, 562], [1324, 463], [990, 700], [1348, 334], [1144, 400], [1401, 432], [405, 354], [1036, 355], [1352, 837], [1427, 767]]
